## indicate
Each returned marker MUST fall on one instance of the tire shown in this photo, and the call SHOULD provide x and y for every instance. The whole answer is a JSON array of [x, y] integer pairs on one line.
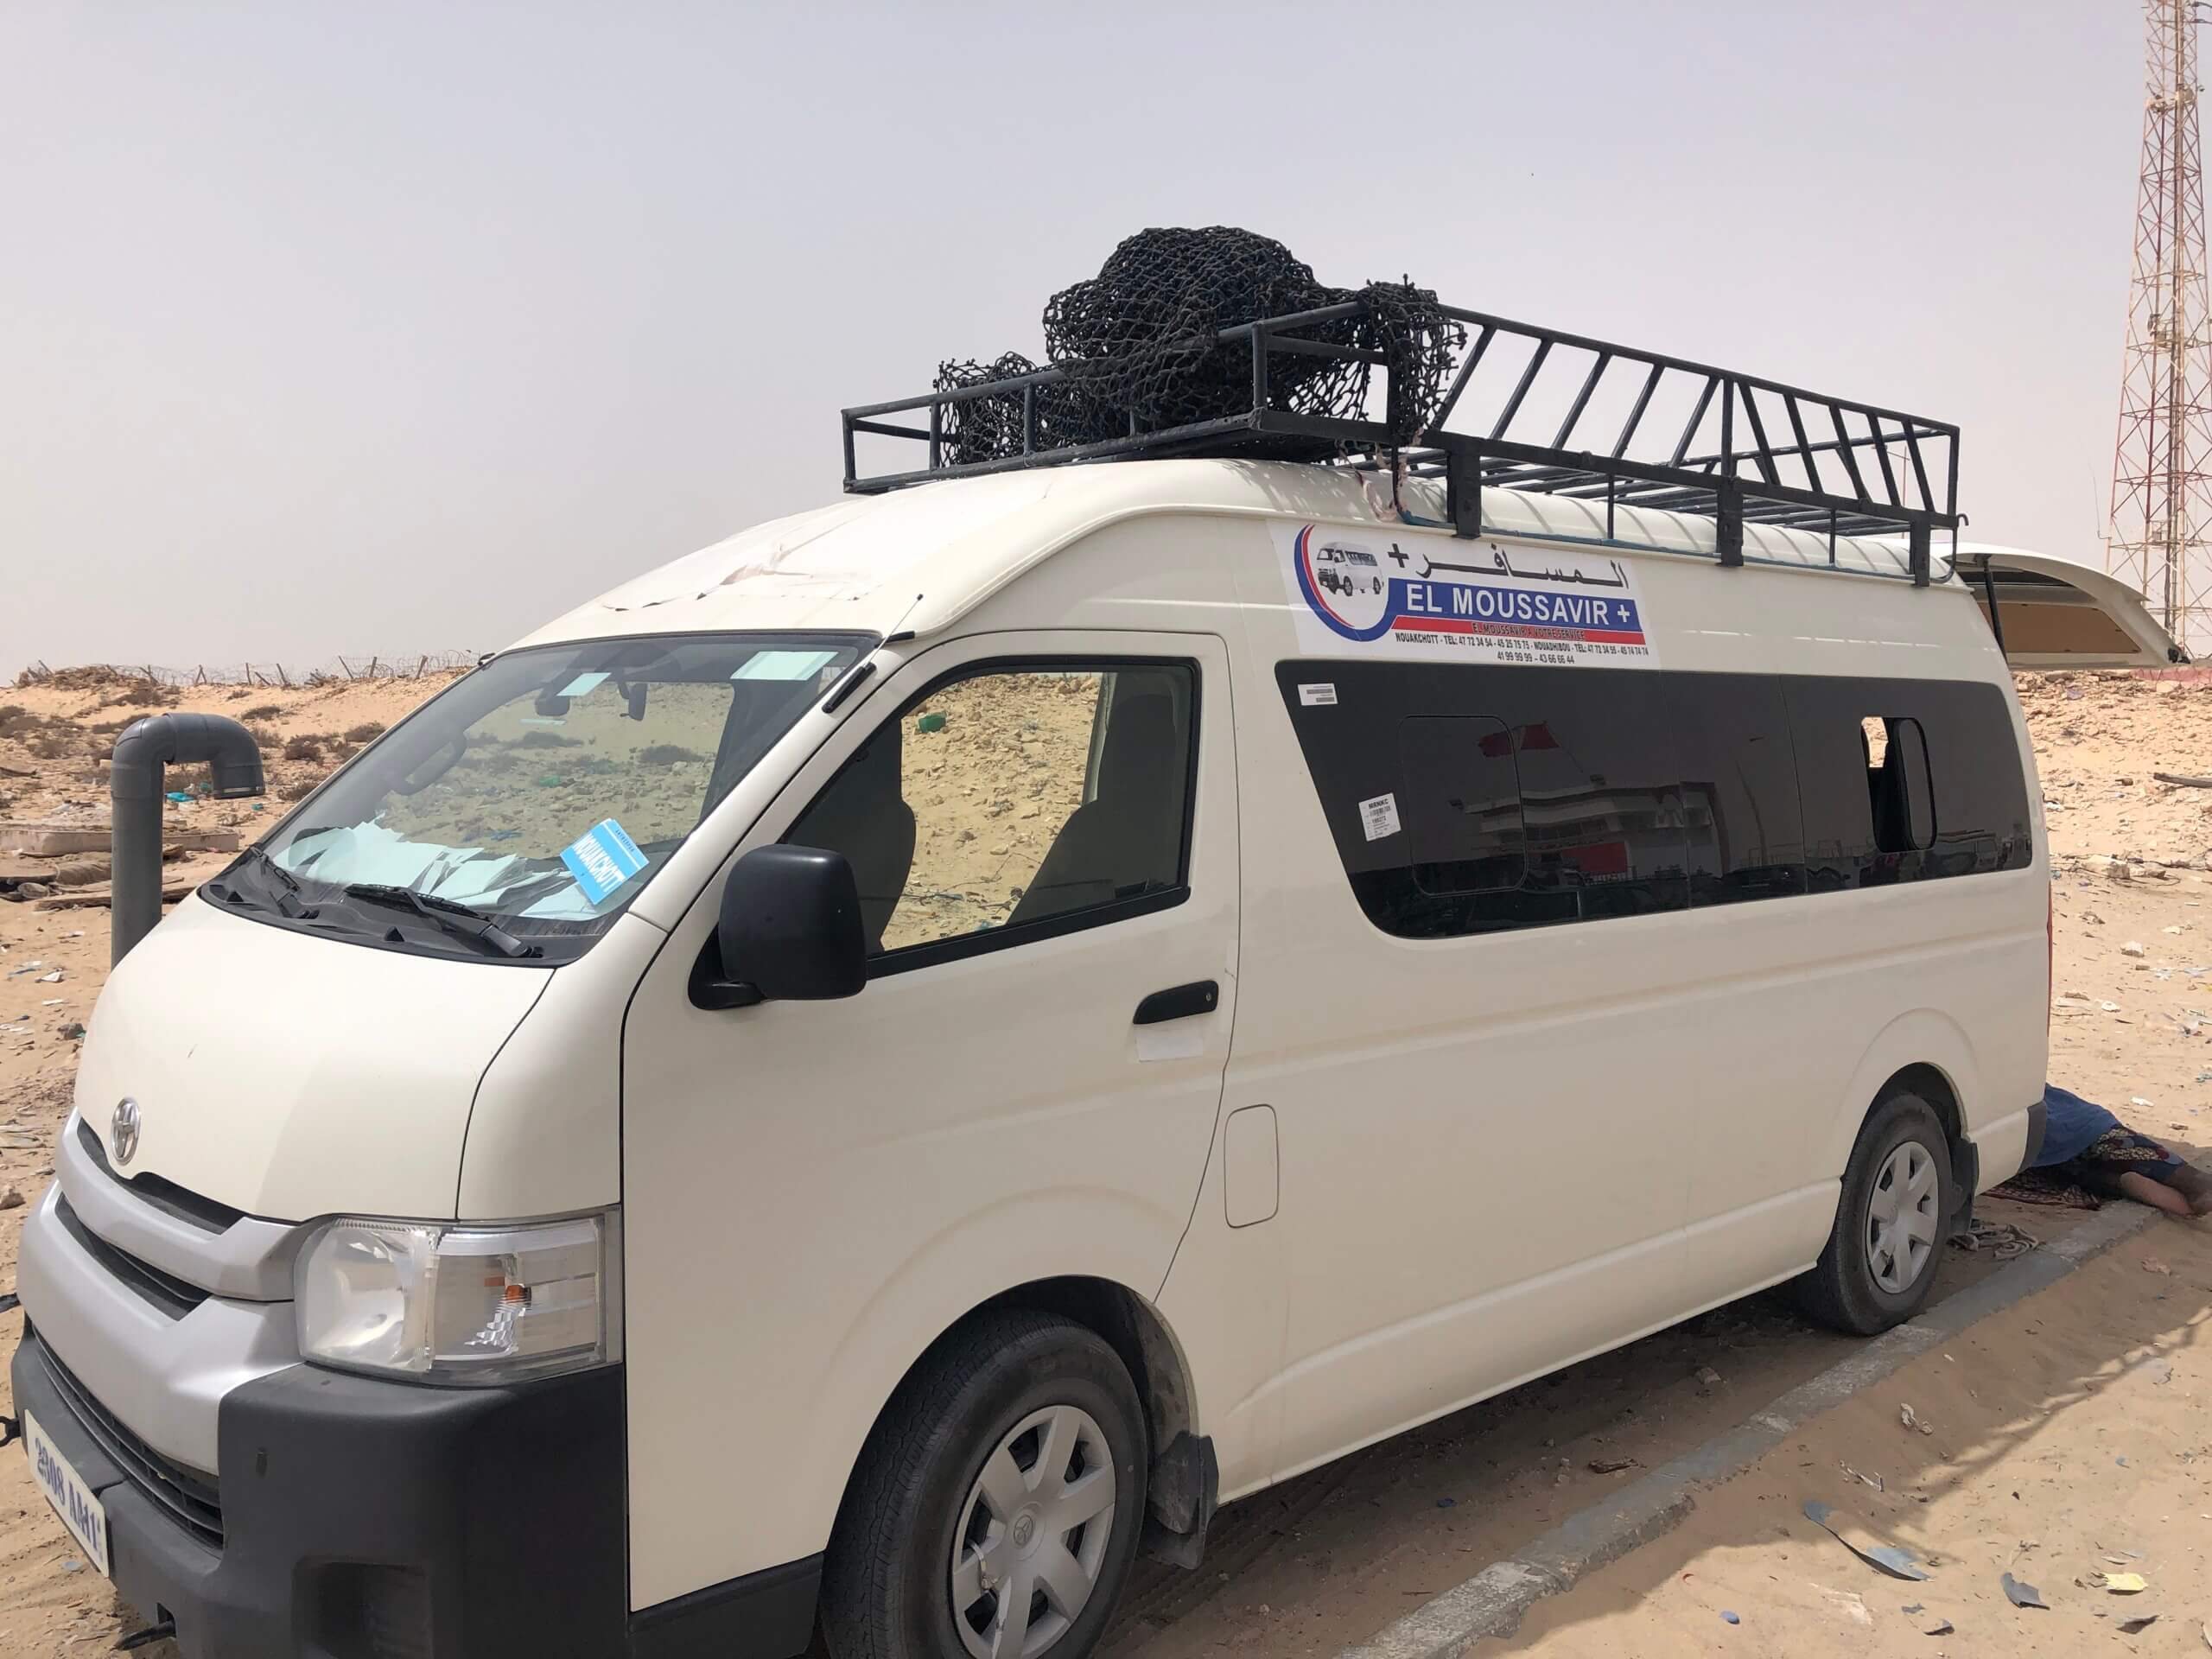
[[1871, 1276], [956, 1458]]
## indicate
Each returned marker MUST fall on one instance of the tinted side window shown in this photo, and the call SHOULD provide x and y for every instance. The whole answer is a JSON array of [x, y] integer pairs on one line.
[[1465, 800], [1897, 789], [1461, 804], [1981, 792], [1742, 818], [1472, 799], [1904, 781], [1828, 734]]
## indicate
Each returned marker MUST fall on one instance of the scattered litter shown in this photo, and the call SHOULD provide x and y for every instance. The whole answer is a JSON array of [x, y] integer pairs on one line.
[[1853, 1607], [2022, 1595], [2122, 1462], [2169, 930], [2138, 1624], [1941, 1627], [72, 1566], [2133, 948], [72, 1031], [2109, 1007], [1906, 1417], [2125, 1583], [930, 724], [1729, 1619], [1612, 1466], [2137, 1100], [1707, 1377], [2152, 1264], [53, 978], [1875, 1481], [1892, 1559], [2001, 1240]]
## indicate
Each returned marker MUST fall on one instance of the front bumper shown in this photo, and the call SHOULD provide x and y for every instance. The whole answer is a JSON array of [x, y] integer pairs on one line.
[[362, 1519]]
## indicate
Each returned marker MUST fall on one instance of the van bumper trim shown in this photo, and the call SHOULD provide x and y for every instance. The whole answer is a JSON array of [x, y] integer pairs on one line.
[[764, 1615], [446, 1522]]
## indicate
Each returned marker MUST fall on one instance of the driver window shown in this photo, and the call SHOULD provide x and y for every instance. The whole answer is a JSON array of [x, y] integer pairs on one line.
[[1013, 796]]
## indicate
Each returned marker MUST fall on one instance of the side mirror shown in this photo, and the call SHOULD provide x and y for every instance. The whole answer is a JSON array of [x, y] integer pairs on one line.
[[789, 930]]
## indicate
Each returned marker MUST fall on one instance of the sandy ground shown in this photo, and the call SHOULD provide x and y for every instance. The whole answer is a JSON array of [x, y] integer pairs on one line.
[[2070, 1441], [2038, 1402]]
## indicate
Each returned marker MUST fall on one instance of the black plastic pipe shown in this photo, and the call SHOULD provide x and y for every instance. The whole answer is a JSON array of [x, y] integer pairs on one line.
[[136, 790]]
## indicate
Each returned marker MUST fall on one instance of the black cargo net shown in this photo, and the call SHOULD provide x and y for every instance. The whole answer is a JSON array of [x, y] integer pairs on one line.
[[1136, 344]]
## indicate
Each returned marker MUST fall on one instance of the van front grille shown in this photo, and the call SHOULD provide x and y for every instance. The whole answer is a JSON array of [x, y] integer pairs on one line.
[[171, 1294], [166, 1195], [193, 1499]]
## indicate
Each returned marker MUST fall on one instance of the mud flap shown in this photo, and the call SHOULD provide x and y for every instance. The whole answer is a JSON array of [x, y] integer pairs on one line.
[[1185, 1486], [1966, 1175]]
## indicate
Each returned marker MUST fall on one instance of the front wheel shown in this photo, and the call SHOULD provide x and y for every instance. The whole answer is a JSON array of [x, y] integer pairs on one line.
[[997, 1506], [1891, 1217]]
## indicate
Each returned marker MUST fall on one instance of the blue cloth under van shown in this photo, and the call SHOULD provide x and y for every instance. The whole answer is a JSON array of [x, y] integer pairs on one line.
[[2071, 1125]]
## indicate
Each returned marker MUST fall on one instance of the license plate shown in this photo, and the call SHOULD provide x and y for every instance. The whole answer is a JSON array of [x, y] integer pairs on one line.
[[66, 1490]]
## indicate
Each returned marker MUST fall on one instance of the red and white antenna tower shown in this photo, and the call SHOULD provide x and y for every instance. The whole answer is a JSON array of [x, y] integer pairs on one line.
[[2161, 539]]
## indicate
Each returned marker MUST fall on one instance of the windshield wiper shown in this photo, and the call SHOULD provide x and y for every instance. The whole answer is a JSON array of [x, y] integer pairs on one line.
[[449, 914], [287, 901]]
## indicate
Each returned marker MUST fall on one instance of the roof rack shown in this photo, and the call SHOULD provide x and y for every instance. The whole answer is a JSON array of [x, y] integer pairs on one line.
[[1691, 438]]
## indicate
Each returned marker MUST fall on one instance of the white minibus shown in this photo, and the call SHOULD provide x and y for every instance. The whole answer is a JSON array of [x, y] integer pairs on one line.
[[858, 1080]]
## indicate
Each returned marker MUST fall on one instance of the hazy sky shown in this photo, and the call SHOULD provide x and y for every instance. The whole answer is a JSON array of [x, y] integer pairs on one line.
[[396, 327]]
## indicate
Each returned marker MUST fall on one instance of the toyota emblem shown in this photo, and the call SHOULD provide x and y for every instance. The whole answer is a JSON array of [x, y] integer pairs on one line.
[[123, 1131]]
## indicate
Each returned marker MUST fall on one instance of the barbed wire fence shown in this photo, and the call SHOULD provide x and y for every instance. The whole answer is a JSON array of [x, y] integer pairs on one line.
[[337, 671]]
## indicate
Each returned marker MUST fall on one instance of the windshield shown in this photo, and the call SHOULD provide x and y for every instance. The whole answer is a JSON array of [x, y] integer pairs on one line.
[[517, 813]]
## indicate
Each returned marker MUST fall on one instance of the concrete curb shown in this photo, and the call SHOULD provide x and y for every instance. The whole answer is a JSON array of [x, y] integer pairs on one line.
[[1494, 1601]]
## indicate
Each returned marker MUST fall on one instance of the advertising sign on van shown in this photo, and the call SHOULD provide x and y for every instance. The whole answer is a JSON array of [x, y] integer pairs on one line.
[[1488, 603]]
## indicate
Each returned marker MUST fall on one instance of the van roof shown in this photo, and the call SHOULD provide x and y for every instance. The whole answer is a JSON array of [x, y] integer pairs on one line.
[[920, 559]]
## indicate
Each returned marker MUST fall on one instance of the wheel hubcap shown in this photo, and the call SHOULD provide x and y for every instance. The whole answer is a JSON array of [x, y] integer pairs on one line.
[[1902, 1217], [1033, 1535]]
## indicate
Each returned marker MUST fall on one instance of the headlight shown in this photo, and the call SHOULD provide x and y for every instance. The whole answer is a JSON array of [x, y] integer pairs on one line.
[[460, 1305]]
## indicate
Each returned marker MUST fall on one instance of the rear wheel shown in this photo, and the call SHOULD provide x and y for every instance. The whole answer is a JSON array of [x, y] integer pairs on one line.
[[997, 1505], [1891, 1220]]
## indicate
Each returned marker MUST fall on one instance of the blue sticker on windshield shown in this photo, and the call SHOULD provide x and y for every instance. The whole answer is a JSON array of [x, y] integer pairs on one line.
[[583, 685], [603, 859]]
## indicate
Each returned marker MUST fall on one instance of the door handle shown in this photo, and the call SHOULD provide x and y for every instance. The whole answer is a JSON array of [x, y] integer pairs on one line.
[[1179, 1003]]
